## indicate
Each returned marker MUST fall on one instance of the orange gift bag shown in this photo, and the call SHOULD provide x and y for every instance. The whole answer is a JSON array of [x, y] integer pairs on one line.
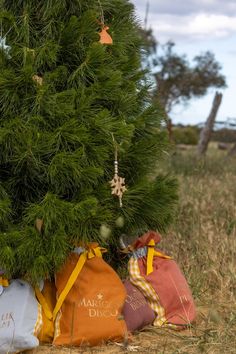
[[90, 298]]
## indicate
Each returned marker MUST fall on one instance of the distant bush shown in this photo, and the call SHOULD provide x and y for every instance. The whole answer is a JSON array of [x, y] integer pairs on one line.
[[224, 136], [188, 135], [185, 162]]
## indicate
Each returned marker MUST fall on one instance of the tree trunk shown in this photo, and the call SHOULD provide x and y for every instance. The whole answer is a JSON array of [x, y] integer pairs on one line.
[[232, 152], [207, 130], [170, 129]]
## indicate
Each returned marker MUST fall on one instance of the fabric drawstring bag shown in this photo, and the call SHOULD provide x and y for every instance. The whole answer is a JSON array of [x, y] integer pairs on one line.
[[137, 312], [20, 317], [47, 299], [90, 298], [3, 282], [161, 281]]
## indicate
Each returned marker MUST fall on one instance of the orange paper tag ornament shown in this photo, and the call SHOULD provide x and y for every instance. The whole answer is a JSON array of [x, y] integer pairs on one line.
[[105, 37]]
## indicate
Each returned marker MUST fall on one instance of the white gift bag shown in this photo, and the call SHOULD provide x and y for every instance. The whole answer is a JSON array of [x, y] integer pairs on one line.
[[20, 318]]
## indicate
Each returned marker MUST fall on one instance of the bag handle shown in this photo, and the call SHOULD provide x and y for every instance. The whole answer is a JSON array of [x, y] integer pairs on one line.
[[43, 303], [94, 251], [48, 313], [151, 254], [70, 283]]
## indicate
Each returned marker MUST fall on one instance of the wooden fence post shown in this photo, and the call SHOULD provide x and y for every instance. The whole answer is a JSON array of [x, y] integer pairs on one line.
[[205, 134]]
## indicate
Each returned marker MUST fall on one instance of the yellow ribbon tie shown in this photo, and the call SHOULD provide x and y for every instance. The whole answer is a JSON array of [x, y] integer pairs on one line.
[[4, 282], [70, 283], [96, 252], [151, 254], [43, 303], [161, 255]]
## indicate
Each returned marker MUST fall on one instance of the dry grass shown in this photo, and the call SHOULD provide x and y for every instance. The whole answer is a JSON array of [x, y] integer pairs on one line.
[[214, 333], [203, 240], [204, 237]]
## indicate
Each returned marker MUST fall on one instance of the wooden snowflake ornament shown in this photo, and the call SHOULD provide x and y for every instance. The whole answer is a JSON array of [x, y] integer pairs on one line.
[[117, 183], [118, 187]]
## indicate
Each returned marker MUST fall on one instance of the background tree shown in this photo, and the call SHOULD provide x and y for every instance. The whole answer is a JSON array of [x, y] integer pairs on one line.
[[66, 103], [177, 80]]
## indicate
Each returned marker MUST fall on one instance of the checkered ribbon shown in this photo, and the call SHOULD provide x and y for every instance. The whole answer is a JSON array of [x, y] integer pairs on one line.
[[149, 293]]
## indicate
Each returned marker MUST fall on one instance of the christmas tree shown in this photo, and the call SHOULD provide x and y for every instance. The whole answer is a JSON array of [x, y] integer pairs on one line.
[[70, 101]]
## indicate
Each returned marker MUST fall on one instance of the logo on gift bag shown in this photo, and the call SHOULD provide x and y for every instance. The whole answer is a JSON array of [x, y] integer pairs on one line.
[[135, 300], [5, 320], [98, 306]]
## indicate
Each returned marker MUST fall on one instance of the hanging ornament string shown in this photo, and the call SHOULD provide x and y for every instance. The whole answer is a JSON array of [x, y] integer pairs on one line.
[[117, 183], [105, 37], [102, 13]]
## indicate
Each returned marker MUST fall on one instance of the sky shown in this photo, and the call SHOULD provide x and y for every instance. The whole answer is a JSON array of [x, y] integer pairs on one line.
[[196, 26]]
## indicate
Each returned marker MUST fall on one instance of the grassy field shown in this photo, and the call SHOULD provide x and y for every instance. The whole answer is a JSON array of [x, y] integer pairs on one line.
[[203, 238], [203, 241]]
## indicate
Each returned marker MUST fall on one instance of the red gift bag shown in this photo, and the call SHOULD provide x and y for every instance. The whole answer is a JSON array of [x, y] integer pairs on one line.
[[162, 283]]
